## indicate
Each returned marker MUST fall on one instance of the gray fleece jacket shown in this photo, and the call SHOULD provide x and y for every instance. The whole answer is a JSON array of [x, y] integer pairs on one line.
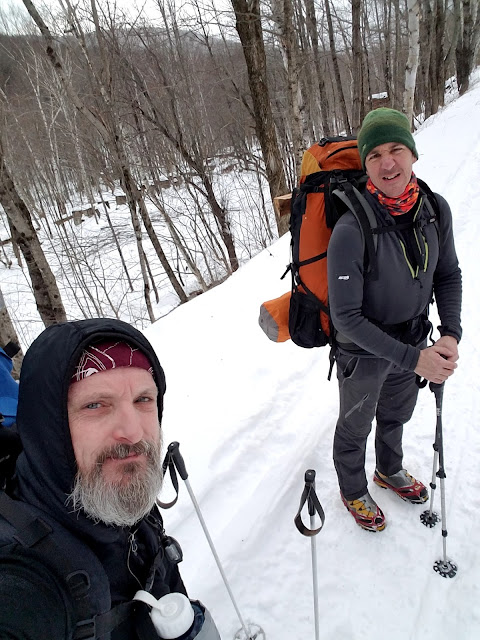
[[371, 312]]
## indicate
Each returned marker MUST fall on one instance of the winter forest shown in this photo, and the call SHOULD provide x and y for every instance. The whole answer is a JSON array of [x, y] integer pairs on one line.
[[141, 149]]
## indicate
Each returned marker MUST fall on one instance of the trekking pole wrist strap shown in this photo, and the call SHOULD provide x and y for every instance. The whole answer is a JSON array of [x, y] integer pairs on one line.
[[309, 496]]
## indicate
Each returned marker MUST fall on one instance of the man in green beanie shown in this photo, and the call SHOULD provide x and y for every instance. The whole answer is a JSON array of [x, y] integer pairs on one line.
[[382, 318]]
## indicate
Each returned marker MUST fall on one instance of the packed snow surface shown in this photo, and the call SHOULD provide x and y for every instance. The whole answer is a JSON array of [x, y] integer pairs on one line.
[[252, 416]]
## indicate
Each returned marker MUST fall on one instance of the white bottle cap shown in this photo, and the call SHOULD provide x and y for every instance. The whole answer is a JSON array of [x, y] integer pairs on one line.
[[172, 615]]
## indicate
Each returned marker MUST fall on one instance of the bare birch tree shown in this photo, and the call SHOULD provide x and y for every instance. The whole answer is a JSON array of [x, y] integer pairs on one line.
[[283, 18], [413, 54]]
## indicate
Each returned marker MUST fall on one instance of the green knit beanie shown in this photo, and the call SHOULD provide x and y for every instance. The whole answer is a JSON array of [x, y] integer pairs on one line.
[[384, 125]]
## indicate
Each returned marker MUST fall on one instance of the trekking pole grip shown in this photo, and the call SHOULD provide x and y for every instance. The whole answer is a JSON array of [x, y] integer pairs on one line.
[[437, 390], [174, 451], [310, 484], [436, 387]]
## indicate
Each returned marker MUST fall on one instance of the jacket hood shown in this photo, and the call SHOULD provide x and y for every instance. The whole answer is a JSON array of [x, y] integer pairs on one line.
[[46, 468]]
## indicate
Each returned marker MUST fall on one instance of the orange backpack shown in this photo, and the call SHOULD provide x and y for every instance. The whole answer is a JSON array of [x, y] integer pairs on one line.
[[331, 173]]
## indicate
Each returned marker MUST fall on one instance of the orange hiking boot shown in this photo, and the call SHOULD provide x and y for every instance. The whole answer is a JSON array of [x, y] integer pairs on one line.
[[366, 512], [404, 485]]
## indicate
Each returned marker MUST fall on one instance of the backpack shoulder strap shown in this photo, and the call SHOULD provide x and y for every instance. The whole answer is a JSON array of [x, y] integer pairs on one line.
[[430, 199], [33, 532], [363, 212], [428, 192], [432, 205]]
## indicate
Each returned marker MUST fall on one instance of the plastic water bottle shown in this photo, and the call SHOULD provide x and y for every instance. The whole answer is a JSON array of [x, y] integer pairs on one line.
[[172, 614]]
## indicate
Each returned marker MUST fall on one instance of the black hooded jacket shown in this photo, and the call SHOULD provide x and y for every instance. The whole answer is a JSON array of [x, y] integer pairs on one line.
[[34, 599]]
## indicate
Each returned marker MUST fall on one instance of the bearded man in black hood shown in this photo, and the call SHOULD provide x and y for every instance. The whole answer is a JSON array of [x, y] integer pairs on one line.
[[80, 532]]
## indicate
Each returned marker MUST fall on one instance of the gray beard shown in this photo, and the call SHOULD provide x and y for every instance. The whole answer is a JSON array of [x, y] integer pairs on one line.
[[121, 504]]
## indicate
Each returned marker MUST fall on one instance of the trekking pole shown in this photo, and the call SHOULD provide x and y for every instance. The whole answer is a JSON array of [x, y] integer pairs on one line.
[[174, 457], [446, 568], [309, 496]]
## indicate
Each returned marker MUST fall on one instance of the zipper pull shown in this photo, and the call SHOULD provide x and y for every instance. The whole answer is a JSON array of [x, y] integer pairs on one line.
[[133, 543]]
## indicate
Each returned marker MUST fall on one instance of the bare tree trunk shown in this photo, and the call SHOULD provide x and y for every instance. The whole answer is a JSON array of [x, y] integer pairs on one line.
[[367, 68], [178, 242], [388, 50], [413, 53], [249, 29], [312, 29], [283, 16], [380, 10], [426, 45], [160, 252], [141, 257], [454, 35], [437, 77], [310, 104], [117, 243], [45, 290], [357, 65], [336, 68], [397, 59], [468, 41]]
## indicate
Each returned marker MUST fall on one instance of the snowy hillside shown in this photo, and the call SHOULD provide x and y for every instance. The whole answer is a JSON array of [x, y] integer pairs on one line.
[[251, 416]]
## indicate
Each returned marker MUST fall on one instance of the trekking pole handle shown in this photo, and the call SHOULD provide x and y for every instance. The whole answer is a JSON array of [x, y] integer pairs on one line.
[[436, 386], [437, 390], [174, 451], [310, 484], [309, 497]]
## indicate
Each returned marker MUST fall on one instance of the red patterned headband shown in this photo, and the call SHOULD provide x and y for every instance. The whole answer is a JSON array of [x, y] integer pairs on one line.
[[109, 355]]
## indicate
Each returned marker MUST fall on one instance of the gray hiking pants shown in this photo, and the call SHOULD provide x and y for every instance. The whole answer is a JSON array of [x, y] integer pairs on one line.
[[370, 388]]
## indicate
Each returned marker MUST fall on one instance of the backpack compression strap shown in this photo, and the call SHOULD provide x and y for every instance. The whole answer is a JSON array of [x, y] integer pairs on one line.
[[103, 623]]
